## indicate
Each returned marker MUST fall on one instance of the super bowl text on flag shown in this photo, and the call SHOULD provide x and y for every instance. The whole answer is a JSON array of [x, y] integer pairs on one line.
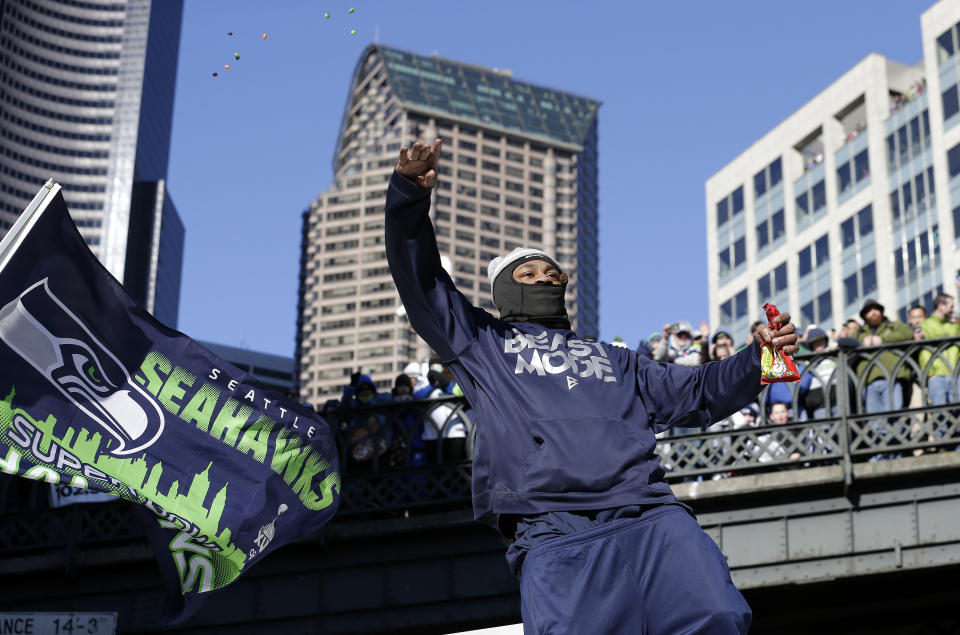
[[95, 393]]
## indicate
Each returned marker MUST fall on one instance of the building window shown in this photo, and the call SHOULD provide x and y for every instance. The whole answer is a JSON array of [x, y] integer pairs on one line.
[[850, 289], [763, 235], [726, 312], [780, 278], [865, 220], [767, 178], [861, 166], [807, 314], [953, 160], [733, 202], [803, 208], [737, 200], [869, 278], [945, 46], [951, 105], [805, 266], [848, 236], [739, 252], [824, 306], [844, 179], [741, 305], [814, 256], [725, 243], [760, 183], [823, 250], [853, 172], [819, 196], [763, 287], [725, 262], [860, 286], [778, 226]]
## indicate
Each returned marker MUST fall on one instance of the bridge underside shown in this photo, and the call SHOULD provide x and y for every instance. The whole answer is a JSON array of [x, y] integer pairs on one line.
[[876, 550]]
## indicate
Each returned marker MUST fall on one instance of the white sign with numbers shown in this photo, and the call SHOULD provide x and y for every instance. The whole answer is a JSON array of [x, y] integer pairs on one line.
[[49, 623]]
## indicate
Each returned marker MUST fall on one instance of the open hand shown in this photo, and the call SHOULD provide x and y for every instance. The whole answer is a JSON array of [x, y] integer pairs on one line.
[[419, 164], [784, 337]]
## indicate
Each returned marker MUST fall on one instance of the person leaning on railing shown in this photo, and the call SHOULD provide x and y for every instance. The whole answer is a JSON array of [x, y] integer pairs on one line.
[[878, 330], [940, 374], [364, 430]]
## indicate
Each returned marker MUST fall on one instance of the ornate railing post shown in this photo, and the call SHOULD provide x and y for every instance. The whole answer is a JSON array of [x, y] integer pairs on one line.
[[843, 399]]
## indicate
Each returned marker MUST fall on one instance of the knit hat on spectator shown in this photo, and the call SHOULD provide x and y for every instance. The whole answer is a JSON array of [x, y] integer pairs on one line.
[[750, 409], [814, 335], [684, 327], [655, 336], [403, 380], [869, 304], [721, 330]]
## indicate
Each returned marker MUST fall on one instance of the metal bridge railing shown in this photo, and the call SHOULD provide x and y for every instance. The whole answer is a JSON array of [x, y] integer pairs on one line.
[[841, 424]]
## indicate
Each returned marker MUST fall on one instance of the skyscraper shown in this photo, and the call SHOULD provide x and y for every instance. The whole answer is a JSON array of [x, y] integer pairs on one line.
[[86, 98], [854, 196], [519, 168]]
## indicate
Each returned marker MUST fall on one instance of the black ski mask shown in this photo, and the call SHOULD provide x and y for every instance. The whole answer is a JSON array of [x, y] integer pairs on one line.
[[541, 303]]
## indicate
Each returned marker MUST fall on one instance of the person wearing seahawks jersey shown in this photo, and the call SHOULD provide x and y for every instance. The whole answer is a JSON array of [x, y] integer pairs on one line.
[[564, 463]]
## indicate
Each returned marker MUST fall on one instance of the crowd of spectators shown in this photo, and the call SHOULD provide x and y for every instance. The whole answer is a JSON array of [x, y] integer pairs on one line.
[[898, 101], [885, 381], [412, 425]]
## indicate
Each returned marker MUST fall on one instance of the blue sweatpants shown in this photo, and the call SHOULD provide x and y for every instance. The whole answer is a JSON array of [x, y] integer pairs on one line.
[[656, 574]]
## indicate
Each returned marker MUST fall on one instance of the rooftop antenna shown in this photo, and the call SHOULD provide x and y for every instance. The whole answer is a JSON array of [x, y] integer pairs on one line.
[[376, 35]]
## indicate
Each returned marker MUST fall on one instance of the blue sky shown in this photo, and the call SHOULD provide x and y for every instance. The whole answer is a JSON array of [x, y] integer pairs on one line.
[[685, 86]]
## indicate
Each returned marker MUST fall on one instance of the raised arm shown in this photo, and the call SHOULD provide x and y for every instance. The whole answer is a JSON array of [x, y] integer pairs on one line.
[[439, 313], [698, 397]]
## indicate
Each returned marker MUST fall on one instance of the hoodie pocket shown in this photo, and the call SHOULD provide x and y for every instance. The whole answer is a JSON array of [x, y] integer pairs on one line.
[[578, 455]]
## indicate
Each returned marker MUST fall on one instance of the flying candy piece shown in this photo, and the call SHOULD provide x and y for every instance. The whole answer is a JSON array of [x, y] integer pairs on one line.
[[226, 66], [236, 56], [326, 15], [351, 10], [264, 36], [229, 32], [214, 73], [353, 31]]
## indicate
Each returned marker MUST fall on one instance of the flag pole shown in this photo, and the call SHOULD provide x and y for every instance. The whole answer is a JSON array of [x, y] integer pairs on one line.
[[26, 220]]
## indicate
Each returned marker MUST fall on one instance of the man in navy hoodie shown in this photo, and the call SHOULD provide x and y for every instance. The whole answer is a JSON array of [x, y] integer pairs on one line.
[[564, 461]]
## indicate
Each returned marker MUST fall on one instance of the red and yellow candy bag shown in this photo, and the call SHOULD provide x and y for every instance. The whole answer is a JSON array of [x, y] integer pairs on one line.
[[775, 365]]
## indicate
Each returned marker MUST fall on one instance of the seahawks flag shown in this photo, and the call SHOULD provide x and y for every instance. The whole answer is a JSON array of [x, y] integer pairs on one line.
[[96, 393]]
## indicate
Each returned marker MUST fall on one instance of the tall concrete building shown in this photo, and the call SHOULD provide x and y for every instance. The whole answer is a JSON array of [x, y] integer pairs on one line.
[[519, 168], [849, 198], [86, 98]]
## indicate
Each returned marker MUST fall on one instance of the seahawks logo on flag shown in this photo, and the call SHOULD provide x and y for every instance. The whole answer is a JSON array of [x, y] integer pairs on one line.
[[63, 350]]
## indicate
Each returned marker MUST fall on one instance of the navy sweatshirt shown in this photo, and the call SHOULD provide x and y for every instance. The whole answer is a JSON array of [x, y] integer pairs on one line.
[[563, 424]]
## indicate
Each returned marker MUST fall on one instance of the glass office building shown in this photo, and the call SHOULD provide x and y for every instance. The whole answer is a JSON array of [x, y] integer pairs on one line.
[[854, 196], [519, 168], [86, 98]]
